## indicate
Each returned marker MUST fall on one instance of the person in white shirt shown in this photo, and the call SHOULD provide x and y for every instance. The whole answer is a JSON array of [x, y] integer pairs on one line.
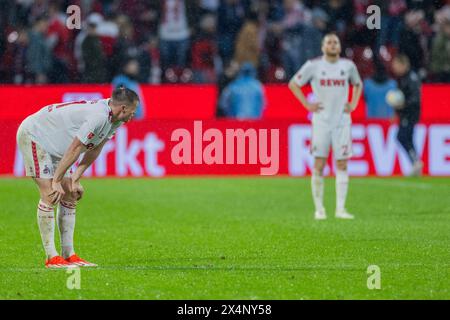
[[51, 141], [329, 76], [174, 34]]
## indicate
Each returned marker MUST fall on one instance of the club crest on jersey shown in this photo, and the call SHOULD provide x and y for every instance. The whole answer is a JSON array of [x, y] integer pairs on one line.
[[90, 135]]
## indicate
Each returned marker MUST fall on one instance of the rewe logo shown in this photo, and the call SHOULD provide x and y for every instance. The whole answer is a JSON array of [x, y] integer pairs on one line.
[[372, 147], [332, 82]]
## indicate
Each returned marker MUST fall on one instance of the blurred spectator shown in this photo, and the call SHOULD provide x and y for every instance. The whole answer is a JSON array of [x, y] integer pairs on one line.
[[93, 20], [313, 36], [442, 15], [391, 20], [124, 47], [38, 52], [230, 18], [412, 40], [58, 39], [261, 12], [34, 9], [358, 33], [89, 6], [209, 6], [300, 40], [174, 34], [375, 90], [271, 62], [340, 13], [93, 56], [204, 51], [128, 78], [143, 15], [440, 54], [244, 97], [144, 57], [155, 71], [229, 74], [295, 13], [108, 32], [320, 21], [159, 34], [247, 47], [13, 65]]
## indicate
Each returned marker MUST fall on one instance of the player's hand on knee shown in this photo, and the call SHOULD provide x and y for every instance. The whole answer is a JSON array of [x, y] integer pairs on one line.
[[77, 189], [349, 108], [57, 192]]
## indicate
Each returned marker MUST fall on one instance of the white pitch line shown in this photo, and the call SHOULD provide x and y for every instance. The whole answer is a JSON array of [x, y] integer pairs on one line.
[[387, 182], [308, 267]]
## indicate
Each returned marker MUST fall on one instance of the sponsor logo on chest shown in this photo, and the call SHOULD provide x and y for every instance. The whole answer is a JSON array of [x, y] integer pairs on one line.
[[327, 82], [332, 81]]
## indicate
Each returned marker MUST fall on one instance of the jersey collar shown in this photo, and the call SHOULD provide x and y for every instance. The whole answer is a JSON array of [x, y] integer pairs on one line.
[[330, 63], [110, 113]]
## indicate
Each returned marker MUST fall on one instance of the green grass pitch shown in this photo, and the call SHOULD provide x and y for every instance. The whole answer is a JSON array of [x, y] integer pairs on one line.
[[235, 238]]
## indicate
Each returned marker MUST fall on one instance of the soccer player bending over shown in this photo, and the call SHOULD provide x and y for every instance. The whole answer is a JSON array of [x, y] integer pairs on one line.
[[329, 76], [51, 140]]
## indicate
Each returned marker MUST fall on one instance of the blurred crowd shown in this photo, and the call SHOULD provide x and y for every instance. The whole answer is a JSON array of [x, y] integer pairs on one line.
[[208, 41]]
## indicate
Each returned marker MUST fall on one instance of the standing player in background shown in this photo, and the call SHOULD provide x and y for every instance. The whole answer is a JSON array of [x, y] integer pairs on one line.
[[51, 140], [329, 76], [408, 114]]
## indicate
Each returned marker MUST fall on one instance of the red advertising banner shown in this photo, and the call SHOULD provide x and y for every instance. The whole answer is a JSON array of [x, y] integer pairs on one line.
[[193, 101], [187, 147]]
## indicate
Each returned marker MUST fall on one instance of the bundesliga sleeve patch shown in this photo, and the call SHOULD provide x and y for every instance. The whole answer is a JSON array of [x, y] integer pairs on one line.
[[90, 135]]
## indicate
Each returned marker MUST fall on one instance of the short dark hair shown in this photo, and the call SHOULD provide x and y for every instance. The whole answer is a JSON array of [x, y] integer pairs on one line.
[[124, 95], [329, 34]]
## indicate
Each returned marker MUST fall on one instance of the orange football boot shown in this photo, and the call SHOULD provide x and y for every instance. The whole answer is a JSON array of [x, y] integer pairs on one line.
[[57, 262], [77, 261]]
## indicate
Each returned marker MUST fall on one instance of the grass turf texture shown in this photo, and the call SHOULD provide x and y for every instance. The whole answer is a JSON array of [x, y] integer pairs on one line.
[[235, 238]]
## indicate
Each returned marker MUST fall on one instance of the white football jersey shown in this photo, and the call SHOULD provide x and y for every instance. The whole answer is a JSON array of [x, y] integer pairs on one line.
[[330, 85], [55, 126]]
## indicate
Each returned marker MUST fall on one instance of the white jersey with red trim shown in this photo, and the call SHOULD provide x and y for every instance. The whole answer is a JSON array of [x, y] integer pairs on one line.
[[55, 126], [330, 84]]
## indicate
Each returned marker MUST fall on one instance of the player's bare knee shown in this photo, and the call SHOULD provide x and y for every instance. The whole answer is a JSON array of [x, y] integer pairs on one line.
[[71, 198], [318, 171], [341, 165], [319, 166], [47, 199], [45, 194]]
